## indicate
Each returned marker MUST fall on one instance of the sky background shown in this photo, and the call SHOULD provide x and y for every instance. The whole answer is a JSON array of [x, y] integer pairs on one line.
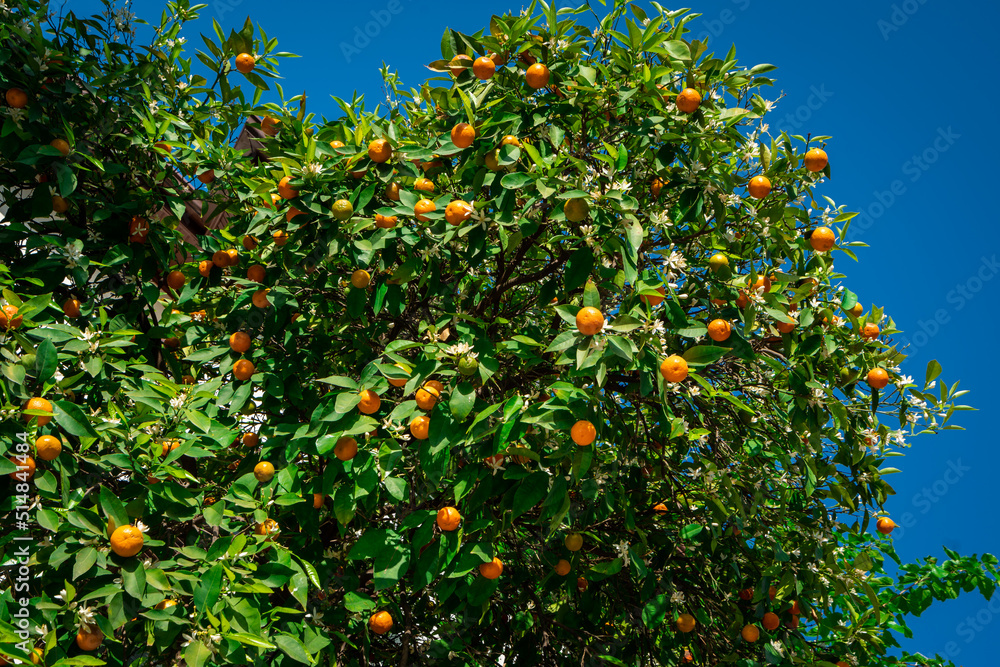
[[901, 87]]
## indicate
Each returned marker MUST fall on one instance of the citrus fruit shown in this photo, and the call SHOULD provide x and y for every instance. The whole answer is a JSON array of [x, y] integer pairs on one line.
[[576, 210], [164, 604], [468, 365], [484, 68], [771, 621], [343, 210], [686, 623], [370, 402], [138, 230], [16, 98], [243, 370], [719, 330], [380, 622], [457, 65], [126, 541], [562, 567], [245, 63], [750, 633], [674, 368], [260, 299], [462, 135], [318, 500], [399, 382], [717, 261], [877, 378], [38, 404], [256, 273], [427, 397], [885, 525], [263, 471], [60, 145], [361, 279], [688, 100], [71, 308], [458, 211], [239, 342], [493, 569], [448, 519], [89, 638], [573, 541], [423, 206], [48, 447], [822, 239], [652, 299], [379, 150], [385, 221], [816, 159], [759, 187], [26, 468], [583, 433], [589, 321], [9, 319], [346, 448], [871, 331], [285, 191], [420, 427], [267, 527], [424, 185], [537, 76]]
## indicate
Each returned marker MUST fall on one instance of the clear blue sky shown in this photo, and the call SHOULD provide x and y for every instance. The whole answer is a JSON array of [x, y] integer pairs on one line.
[[902, 88]]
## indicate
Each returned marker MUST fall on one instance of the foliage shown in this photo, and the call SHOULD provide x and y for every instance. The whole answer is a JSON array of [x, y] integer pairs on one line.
[[766, 464]]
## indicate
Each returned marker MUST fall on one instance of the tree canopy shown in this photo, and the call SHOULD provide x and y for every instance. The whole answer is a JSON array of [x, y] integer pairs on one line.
[[545, 362]]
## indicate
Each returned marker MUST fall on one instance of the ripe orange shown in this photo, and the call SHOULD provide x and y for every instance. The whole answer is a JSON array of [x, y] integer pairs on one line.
[[885, 525], [336, 144], [510, 140], [653, 300], [360, 279], [249, 242], [537, 76], [877, 378], [25, 469], [220, 258], [392, 191], [583, 433], [871, 331], [71, 308], [280, 236], [686, 622], [379, 150], [771, 621], [484, 68], [656, 186], [9, 319], [176, 280], [746, 594], [793, 623], [492, 160], [60, 145], [589, 321], [207, 177], [250, 440], [462, 135], [785, 327], [380, 622], [138, 230], [269, 126], [822, 239], [759, 187], [816, 159], [582, 584], [285, 191], [423, 206], [385, 221], [164, 604], [205, 267], [660, 508], [268, 527], [448, 519], [573, 541], [796, 609], [772, 592], [38, 404], [494, 568], [562, 567], [346, 448], [674, 368], [16, 98], [126, 541], [48, 447], [256, 273], [458, 211], [719, 330], [260, 299], [688, 100], [239, 342], [370, 402], [245, 63], [318, 500], [234, 256], [427, 397], [399, 382], [59, 205], [717, 261], [263, 471], [89, 638], [457, 64], [750, 633], [243, 370], [857, 310], [424, 185], [420, 427]]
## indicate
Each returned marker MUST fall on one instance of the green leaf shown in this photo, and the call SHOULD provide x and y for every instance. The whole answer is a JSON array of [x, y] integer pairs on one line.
[[358, 602], [462, 401], [702, 355], [250, 640], [46, 360], [516, 180], [196, 654], [531, 491], [113, 508], [207, 592], [85, 559], [691, 530], [933, 371], [71, 419], [655, 611], [578, 267]]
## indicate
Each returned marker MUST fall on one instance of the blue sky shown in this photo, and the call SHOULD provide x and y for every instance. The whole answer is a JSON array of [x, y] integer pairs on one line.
[[901, 87]]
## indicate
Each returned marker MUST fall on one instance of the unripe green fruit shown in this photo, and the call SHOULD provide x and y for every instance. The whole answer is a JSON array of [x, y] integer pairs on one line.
[[468, 366]]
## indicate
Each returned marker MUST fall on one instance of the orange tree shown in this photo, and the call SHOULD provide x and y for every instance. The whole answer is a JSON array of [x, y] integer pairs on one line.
[[547, 360]]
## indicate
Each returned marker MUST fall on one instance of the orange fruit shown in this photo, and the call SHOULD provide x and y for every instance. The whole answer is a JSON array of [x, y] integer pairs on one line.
[[537, 76], [256, 273], [423, 206], [576, 210], [589, 321], [746, 594], [877, 378], [660, 508], [207, 177], [285, 191], [60, 145], [336, 144], [342, 209], [750, 633], [674, 368], [250, 439], [562, 567], [263, 471], [176, 280], [27, 468], [360, 279], [9, 319], [492, 161], [885, 525], [871, 331], [688, 100], [38, 404], [280, 236], [688, 656], [857, 310], [249, 242], [785, 327], [841, 663], [772, 592], [494, 568], [126, 541], [420, 427], [380, 622], [289, 216], [399, 382], [243, 370], [583, 433], [771, 621], [220, 258], [458, 211], [318, 500], [89, 638], [573, 541], [462, 135], [427, 397], [59, 205], [16, 98], [392, 191], [370, 402], [796, 609], [816, 159], [510, 140], [205, 267], [346, 448], [172, 603], [822, 239], [652, 300], [656, 186], [424, 185], [448, 519], [484, 68], [379, 150], [385, 221], [792, 624], [245, 63], [582, 584], [48, 447], [759, 187], [719, 330], [239, 342], [138, 230], [686, 622], [269, 126], [260, 299], [268, 527], [717, 261], [71, 308], [457, 64]]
